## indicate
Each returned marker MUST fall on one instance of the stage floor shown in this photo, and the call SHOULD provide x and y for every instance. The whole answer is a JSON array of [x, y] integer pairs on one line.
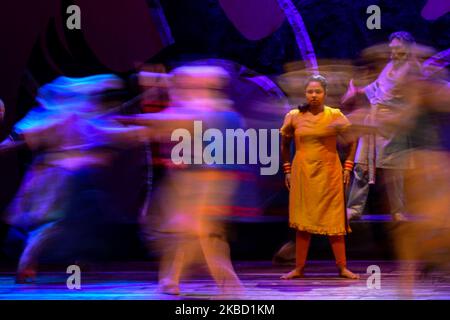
[[137, 281]]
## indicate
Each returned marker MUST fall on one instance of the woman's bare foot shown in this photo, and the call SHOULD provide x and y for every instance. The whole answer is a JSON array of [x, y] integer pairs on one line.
[[294, 274], [345, 273]]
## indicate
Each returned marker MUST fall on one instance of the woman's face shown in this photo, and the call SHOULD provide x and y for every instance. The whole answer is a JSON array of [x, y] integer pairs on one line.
[[315, 94]]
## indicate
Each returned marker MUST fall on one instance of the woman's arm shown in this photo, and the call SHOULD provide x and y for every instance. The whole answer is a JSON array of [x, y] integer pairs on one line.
[[351, 151], [286, 158], [349, 162]]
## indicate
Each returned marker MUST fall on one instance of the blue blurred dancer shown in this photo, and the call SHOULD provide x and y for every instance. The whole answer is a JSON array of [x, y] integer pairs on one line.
[[68, 137]]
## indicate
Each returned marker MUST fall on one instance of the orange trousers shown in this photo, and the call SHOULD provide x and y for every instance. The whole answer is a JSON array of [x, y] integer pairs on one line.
[[303, 239]]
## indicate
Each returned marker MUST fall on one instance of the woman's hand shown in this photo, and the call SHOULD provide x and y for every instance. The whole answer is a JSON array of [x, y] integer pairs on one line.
[[346, 176], [287, 180]]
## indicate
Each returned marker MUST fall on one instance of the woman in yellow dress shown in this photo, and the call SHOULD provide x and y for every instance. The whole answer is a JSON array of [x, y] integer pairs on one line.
[[316, 182]]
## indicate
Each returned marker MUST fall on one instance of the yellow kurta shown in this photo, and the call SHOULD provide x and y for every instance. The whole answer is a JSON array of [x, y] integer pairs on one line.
[[316, 197]]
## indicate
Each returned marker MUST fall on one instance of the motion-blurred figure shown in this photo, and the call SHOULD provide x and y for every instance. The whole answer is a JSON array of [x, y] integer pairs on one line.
[[70, 140], [424, 244], [195, 195], [387, 147]]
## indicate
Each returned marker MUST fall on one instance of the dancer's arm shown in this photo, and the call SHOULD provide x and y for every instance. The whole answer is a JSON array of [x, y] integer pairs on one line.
[[286, 156]]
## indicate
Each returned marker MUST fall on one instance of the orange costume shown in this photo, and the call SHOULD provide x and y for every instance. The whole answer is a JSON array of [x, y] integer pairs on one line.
[[316, 198]]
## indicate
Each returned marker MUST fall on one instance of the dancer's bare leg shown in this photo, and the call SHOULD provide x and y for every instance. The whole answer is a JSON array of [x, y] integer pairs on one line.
[[338, 246], [301, 252]]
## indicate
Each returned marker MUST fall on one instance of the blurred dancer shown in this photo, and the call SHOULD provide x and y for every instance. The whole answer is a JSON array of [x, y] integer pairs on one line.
[[316, 183], [196, 193], [424, 244], [69, 140], [386, 148]]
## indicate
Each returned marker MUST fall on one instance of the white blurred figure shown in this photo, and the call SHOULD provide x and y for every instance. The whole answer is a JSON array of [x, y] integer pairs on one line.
[[196, 193], [386, 147], [424, 242]]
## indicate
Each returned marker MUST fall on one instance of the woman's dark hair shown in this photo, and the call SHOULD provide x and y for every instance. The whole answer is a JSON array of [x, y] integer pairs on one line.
[[313, 78], [317, 78]]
